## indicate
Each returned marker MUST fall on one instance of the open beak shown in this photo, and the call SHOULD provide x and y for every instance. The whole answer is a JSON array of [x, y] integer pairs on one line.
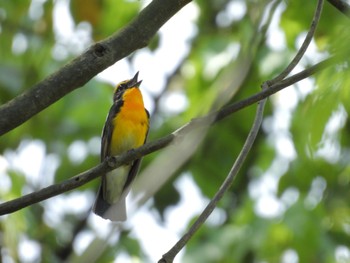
[[133, 82]]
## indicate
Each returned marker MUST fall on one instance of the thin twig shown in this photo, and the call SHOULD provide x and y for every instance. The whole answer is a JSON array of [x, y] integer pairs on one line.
[[170, 255], [304, 46]]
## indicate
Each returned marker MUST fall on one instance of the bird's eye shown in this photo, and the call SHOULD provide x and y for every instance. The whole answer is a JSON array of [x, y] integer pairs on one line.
[[122, 86]]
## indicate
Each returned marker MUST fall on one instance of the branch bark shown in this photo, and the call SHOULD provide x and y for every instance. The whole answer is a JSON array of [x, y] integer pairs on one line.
[[83, 68]]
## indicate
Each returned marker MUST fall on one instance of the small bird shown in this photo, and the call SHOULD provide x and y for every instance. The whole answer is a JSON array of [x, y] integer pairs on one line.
[[126, 128]]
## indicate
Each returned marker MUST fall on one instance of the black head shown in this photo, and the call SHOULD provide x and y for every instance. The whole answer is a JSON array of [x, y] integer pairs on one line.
[[126, 84]]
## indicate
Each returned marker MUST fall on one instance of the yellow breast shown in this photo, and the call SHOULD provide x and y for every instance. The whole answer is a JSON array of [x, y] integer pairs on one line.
[[130, 124]]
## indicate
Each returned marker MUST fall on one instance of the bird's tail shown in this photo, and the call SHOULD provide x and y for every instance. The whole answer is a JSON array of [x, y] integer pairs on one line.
[[114, 212]]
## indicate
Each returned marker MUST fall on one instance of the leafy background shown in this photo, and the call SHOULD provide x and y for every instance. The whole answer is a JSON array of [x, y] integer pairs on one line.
[[290, 202]]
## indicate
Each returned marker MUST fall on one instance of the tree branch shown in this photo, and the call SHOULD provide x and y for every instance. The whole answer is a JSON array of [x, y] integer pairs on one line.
[[171, 254], [274, 88], [83, 68], [83, 178], [114, 162], [302, 49]]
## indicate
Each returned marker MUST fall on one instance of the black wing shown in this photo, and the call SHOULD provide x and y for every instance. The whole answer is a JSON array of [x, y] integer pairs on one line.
[[108, 130]]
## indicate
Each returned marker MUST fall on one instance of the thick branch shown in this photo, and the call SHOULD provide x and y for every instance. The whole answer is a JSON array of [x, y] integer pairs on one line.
[[97, 58], [211, 118]]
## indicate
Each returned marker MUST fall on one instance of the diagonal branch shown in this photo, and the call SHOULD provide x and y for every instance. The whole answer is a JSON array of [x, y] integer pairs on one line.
[[83, 68], [112, 163]]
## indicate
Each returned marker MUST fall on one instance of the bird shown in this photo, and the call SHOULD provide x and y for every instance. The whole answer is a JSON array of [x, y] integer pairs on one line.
[[125, 129]]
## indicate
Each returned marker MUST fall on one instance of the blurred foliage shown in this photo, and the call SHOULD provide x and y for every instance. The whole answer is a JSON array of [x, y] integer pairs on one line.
[[228, 59]]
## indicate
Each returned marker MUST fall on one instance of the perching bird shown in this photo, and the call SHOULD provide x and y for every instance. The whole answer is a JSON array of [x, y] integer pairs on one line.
[[126, 128]]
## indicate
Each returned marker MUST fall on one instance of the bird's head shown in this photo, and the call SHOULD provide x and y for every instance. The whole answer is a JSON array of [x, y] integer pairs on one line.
[[125, 85]]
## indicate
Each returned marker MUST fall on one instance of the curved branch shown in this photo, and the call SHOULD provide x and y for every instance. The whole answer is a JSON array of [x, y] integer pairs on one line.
[[83, 68], [170, 255], [304, 46], [114, 162]]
